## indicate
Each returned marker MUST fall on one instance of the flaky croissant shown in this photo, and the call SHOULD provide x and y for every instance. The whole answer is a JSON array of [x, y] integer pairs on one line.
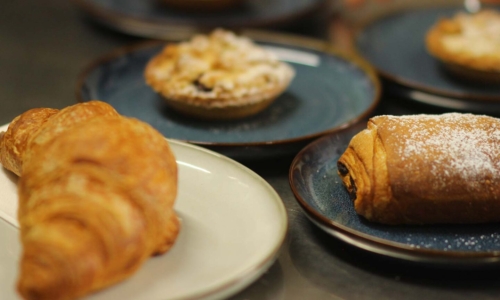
[[96, 197]]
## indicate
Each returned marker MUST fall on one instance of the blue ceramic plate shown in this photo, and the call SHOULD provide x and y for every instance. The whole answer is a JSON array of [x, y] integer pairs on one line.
[[395, 46], [329, 91], [451, 104], [319, 191], [150, 18]]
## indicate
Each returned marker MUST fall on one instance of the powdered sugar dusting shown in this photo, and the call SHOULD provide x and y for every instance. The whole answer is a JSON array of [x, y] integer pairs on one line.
[[460, 145]]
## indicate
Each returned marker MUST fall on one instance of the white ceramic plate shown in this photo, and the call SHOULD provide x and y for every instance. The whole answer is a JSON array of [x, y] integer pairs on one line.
[[233, 225]]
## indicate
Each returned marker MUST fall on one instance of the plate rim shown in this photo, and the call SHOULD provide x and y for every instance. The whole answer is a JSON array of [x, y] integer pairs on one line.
[[412, 84], [258, 36], [376, 244], [253, 273], [443, 102], [249, 275], [157, 28]]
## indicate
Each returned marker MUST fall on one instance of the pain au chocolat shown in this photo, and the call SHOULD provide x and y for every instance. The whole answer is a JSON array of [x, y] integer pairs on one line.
[[425, 169]]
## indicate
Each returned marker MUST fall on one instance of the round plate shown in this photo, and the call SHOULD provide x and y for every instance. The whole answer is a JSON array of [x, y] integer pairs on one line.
[[395, 45], [453, 104], [150, 18], [320, 192], [330, 90], [221, 248]]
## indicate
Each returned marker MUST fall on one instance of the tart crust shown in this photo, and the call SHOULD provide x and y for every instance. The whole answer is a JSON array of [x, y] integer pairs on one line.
[[218, 76]]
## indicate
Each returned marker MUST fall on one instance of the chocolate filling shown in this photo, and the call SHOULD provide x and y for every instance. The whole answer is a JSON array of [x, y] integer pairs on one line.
[[344, 172], [352, 190], [342, 169], [200, 86]]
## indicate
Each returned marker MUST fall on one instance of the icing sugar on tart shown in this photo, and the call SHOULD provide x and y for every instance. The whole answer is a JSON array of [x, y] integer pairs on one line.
[[218, 70]]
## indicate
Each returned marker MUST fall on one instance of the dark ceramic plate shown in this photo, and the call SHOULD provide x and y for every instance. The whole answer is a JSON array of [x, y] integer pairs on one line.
[[149, 18], [329, 91], [395, 45], [451, 104], [319, 191]]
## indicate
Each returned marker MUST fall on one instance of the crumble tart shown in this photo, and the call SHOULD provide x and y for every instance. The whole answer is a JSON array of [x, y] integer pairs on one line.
[[218, 76], [468, 44]]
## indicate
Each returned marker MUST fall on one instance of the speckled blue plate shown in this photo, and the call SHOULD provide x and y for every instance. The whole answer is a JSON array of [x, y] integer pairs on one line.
[[395, 45], [319, 191], [150, 18], [330, 91]]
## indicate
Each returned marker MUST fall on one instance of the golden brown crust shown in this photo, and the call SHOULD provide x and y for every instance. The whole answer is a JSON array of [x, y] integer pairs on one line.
[[219, 76], [95, 201], [36, 127], [14, 142], [450, 40], [425, 169]]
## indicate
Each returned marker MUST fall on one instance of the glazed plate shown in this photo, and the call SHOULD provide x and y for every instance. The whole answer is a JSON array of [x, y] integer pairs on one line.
[[395, 46], [330, 90], [233, 225], [319, 191], [452, 104], [151, 18]]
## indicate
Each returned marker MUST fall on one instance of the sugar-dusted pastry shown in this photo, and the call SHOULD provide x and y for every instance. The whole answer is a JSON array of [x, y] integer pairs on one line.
[[218, 76], [423, 169], [468, 44], [96, 197]]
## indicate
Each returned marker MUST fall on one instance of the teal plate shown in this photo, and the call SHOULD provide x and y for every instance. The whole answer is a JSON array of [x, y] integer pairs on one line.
[[151, 18], [321, 194], [395, 46], [330, 91]]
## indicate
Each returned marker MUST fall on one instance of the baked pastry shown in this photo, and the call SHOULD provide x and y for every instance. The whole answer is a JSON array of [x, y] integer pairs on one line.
[[95, 198], [424, 169], [219, 76], [468, 44]]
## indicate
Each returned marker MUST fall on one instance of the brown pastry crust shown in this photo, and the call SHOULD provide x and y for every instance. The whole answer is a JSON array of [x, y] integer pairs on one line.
[[425, 169], [219, 76], [442, 37], [95, 200], [14, 142]]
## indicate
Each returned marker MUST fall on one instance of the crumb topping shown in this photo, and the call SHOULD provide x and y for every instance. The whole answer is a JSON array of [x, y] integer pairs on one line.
[[219, 66], [477, 33]]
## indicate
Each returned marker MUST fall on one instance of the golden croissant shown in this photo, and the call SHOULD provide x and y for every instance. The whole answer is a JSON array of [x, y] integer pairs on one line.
[[96, 195]]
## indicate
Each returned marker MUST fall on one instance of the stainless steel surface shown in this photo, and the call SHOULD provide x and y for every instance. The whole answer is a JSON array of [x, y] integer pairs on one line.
[[44, 45]]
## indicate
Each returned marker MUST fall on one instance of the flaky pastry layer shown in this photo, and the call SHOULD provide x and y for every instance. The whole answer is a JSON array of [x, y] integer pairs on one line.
[[425, 169]]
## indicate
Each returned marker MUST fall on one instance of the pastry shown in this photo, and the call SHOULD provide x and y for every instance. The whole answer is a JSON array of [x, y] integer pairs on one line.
[[218, 76], [468, 45], [96, 195], [424, 169]]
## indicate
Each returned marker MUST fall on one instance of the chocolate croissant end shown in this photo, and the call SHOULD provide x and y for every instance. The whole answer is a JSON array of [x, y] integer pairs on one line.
[[349, 183], [363, 170]]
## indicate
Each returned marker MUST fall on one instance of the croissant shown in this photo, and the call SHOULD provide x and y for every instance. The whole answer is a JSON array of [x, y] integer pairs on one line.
[[425, 169], [96, 196]]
